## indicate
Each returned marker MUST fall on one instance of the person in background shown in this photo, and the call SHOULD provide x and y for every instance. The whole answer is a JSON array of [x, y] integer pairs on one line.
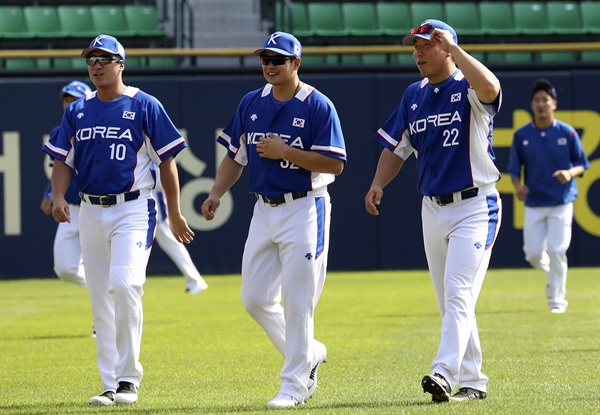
[[446, 120], [545, 157], [113, 138], [68, 264], [180, 256], [289, 136]]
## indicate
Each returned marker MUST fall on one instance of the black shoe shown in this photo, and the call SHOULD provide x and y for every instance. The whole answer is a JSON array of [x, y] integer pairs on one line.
[[107, 398], [468, 394], [437, 386], [126, 393]]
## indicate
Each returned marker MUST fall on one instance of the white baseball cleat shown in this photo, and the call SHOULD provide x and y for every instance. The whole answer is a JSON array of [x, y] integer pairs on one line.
[[283, 400], [321, 353], [196, 288], [557, 310], [107, 398]]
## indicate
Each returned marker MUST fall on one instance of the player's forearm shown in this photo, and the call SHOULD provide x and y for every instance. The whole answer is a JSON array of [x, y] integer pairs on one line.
[[388, 167], [313, 161], [576, 171], [481, 79], [227, 175], [170, 183], [61, 178]]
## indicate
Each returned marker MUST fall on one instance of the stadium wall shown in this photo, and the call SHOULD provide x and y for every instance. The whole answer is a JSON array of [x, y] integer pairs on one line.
[[201, 105]]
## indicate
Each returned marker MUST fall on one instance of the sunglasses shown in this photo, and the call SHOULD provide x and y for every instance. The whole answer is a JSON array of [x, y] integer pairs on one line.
[[425, 29], [102, 60], [275, 60]]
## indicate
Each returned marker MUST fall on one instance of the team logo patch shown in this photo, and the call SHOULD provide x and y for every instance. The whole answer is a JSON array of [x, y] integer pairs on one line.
[[455, 97], [562, 141], [253, 117], [129, 115], [298, 122]]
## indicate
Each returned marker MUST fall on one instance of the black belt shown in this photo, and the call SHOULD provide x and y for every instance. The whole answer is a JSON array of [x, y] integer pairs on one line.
[[278, 200], [443, 200], [109, 200]]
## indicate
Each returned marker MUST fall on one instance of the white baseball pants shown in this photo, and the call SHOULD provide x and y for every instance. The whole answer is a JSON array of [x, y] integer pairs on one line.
[[546, 239], [115, 243], [68, 264], [285, 257], [458, 241]]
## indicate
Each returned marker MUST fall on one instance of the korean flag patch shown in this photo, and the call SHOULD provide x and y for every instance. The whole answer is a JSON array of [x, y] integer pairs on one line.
[[298, 122], [455, 97], [128, 115]]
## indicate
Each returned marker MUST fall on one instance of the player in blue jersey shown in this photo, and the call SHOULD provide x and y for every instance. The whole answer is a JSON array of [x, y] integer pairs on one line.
[[68, 264], [446, 120], [289, 136], [111, 139], [550, 154]]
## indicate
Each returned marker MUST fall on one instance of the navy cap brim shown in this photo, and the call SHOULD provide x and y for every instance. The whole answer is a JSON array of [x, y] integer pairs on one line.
[[260, 51], [87, 51]]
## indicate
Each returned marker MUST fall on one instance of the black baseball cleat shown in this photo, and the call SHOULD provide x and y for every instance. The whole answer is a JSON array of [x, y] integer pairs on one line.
[[468, 394], [437, 386]]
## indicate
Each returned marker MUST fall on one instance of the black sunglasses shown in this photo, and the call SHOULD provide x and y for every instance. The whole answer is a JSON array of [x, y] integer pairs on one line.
[[103, 60], [275, 60]]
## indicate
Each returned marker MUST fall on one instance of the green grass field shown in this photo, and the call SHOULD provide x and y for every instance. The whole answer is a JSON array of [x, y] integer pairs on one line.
[[203, 355]]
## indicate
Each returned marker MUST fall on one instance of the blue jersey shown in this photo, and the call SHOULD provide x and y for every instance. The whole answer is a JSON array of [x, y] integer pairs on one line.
[[450, 132], [308, 121], [112, 145], [542, 152]]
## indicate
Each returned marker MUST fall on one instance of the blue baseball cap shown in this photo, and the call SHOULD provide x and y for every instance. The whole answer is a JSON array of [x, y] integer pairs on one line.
[[105, 43], [77, 89], [283, 44], [409, 40]]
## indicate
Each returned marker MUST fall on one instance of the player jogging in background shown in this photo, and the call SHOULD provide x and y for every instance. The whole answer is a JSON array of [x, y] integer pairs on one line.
[[68, 264], [289, 136], [550, 154], [113, 138], [446, 120]]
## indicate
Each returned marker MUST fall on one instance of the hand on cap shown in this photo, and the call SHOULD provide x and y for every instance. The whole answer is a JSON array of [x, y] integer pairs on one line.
[[444, 37]]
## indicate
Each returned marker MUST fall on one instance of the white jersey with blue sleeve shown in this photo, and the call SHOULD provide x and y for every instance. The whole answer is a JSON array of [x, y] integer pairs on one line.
[[450, 132], [308, 121], [542, 152], [112, 145]]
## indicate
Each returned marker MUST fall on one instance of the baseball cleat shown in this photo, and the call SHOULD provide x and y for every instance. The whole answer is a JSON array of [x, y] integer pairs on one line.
[[437, 386], [557, 310], [196, 288], [107, 398], [126, 393], [283, 400], [468, 394], [321, 352]]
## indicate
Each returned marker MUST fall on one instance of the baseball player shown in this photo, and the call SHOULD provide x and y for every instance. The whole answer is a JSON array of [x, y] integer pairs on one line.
[[290, 137], [194, 282], [446, 121], [111, 139], [551, 155], [68, 264]]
